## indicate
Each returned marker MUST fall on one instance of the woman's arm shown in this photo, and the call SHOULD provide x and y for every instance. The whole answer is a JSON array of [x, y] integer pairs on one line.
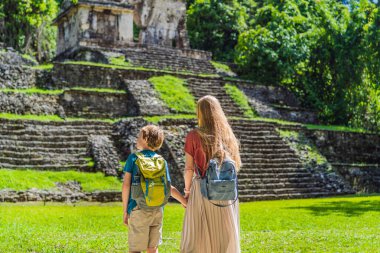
[[189, 172], [125, 195]]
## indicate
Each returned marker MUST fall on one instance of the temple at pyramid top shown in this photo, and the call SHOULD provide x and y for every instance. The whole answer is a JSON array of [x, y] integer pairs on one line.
[[110, 23]]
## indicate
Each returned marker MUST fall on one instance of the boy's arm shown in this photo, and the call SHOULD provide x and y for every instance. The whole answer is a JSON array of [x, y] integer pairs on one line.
[[178, 196], [125, 195]]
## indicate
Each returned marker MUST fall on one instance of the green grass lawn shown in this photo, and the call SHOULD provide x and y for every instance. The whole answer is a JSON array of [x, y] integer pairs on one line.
[[15, 180], [345, 224]]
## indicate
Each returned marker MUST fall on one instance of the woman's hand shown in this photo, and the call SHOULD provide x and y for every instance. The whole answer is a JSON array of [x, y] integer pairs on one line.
[[184, 202], [125, 219]]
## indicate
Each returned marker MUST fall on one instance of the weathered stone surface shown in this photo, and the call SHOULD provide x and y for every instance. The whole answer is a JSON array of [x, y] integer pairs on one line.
[[172, 150], [54, 146], [88, 22], [8, 195], [185, 60], [21, 103], [146, 98], [16, 76], [162, 22], [10, 57], [125, 135], [277, 102], [362, 178], [317, 164], [95, 104], [102, 150], [347, 147], [356, 156]]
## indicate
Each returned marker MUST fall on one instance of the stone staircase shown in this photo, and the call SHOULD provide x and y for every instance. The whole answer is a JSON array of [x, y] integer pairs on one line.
[[202, 87], [47, 145], [167, 59], [271, 169]]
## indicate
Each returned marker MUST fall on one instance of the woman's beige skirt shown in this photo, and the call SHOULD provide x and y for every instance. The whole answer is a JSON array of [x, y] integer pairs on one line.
[[208, 228]]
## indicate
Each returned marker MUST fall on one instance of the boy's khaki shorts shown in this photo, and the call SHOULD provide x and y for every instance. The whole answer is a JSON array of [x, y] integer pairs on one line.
[[144, 229]]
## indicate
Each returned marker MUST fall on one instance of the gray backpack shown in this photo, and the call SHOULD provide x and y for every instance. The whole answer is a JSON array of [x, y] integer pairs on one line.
[[220, 182]]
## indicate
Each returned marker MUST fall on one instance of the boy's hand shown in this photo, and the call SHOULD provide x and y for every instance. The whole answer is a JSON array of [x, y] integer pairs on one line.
[[125, 219]]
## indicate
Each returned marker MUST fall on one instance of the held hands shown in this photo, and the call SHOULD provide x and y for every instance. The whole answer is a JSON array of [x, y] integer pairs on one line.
[[125, 219]]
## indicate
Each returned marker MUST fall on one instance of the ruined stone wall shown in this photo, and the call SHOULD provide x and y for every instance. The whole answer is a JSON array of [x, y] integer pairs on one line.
[[162, 22], [21, 103], [347, 147], [356, 156], [73, 75], [77, 103], [16, 76], [94, 21], [277, 102]]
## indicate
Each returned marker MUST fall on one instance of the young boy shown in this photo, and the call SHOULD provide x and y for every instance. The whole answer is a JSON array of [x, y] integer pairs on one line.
[[144, 225]]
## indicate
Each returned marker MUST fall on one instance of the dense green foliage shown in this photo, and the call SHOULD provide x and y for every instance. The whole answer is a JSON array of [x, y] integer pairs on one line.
[[26, 179], [214, 26], [311, 225], [28, 26], [174, 93], [327, 52]]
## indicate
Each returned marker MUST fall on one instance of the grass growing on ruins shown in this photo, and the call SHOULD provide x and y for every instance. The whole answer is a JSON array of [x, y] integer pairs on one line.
[[240, 99], [221, 66], [44, 66], [336, 128], [101, 90], [120, 61], [345, 224], [12, 116], [174, 93], [157, 119], [27, 179], [31, 91]]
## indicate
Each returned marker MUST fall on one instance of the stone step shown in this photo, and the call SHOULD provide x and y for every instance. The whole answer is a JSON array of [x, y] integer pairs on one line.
[[274, 180], [268, 155], [242, 175], [258, 150], [255, 170], [270, 186], [57, 144], [247, 139], [252, 123], [45, 154], [291, 190], [43, 138], [52, 167], [68, 132], [22, 149], [59, 160], [287, 160], [247, 165], [77, 124], [268, 196], [249, 148]]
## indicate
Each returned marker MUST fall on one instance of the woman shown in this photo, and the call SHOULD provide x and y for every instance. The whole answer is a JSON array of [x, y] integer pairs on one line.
[[208, 228]]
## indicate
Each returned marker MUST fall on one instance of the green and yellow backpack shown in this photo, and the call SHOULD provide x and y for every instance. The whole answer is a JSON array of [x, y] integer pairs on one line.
[[153, 188]]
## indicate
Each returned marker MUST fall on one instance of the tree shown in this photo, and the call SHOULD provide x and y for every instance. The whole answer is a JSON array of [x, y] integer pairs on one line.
[[328, 53], [28, 26], [214, 25]]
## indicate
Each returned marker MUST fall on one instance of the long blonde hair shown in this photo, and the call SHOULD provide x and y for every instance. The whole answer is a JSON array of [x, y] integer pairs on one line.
[[218, 140]]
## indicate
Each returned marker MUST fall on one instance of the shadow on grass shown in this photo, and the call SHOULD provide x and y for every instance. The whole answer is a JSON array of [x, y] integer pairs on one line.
[[346, 208]]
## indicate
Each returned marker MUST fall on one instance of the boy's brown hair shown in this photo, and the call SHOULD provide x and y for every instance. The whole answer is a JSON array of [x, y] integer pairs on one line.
[[153, 135]]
